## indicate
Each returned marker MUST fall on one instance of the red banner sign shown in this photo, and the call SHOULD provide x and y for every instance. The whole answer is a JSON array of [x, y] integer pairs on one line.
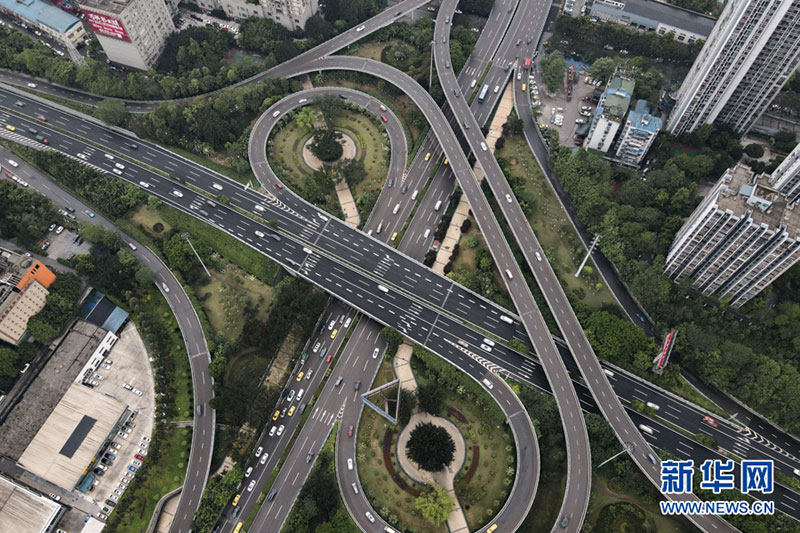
[[105, 25]]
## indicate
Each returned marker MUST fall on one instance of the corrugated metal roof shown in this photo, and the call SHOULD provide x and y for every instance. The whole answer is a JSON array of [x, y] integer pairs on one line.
[[41, 13]]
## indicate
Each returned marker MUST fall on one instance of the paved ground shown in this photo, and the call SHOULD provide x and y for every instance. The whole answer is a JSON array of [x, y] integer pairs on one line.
[[167, 514], [456, 522], [342, 189], [570, 111]]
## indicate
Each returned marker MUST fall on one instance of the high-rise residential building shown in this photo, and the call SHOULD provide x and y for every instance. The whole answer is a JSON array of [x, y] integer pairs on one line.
[[786, 177], [610, 112], [637, 135], [132, 32], [653, 15], [739, 239], [748, 57]]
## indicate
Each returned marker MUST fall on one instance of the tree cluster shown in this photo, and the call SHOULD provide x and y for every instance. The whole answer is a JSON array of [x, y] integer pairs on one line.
[[25, 215], [219, 491], [60, 306], [431, 447], [434, 504], [553, 70]]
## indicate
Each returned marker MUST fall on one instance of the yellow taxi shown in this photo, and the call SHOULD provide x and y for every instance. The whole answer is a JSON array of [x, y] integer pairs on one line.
[[492, 528], [291, 411], [446, 161], [523, 87], [236, 500], [427, 156], [9, 127], [333, 333], [276, 415], [394, 236], [299, 378]]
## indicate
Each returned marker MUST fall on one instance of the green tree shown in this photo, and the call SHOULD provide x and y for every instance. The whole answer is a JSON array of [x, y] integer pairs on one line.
[[112, 111], [306, 118], [327, 145], [434, 504], [408, 402], [754, 150], [331, 107], [603, 68], [553, 70], [144, 277], [392, 338], [431, 447], [430, 397]]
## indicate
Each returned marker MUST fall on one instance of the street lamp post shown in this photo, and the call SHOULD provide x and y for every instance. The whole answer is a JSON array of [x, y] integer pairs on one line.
[[186, 237]]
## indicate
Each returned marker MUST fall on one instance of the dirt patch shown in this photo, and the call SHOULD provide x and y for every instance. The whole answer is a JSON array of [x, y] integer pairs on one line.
[[282, 361]]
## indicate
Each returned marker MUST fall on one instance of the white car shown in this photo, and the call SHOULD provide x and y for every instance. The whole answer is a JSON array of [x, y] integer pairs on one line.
[[349, 463], [136, 463], [538, 257], [330, 326], [280, 430], [370, 517], [508, 198], [137, 392], [259, 234], [140, 451], [119, 166], [13, 163], [82, 156], [179, 194], [316, 347], [32, 85], [346, 322], [272, 431], [251, 486], [276, 114], [361, 28], [375, 353], [58, 232], [144, 184], [248, 471], [217, 186], [302, 101], [259, 450], [264, 458], [116, 171]]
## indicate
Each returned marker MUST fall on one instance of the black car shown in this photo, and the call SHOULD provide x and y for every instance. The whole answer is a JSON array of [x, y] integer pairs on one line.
[[357, 384], [111, 503], [98, 471]]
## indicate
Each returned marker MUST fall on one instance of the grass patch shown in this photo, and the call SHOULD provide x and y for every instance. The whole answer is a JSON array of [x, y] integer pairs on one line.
[[214, 164], [554, 231], [166, 473]]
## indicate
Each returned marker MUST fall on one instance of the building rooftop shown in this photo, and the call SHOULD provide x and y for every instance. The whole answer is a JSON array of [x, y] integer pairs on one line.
[[743, 192], [641, 118], [41, 13], [666, 14], [112, 6], [25, 509], [40, 273]]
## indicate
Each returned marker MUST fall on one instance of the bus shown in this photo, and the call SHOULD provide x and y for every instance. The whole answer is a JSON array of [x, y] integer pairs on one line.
[[484, 90], [527, 63]]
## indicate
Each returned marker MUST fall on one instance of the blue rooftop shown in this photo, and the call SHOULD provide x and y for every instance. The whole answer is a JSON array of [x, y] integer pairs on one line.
[[641, 118], [39, 12]]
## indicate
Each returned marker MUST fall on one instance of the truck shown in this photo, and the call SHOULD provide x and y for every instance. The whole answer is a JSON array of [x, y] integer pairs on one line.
[[484, 90], [527, 63]]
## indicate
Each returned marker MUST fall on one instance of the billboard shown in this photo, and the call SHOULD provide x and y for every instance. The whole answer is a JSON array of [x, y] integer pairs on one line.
[[105, 25]]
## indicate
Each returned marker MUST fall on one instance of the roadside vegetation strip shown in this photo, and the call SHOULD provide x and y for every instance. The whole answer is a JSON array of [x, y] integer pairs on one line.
[[478, 85]]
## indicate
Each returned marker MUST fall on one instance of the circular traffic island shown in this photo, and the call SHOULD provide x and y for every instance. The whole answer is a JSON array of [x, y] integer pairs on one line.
[[328, 146]]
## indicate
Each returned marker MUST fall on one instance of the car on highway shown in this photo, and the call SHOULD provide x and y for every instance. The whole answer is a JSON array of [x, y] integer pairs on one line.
[[427, 156], [276, 414], [280, 430], [350, 430], [272, 431], [259, 450], [394, 236], [333, 333], [144, 184], [564, 522], [492, 528], [640, 316], [383, 118], [217, 186], [279, 185], [370, 517], [300, 376], [331, 324], [349, 463], [375, 353], [309, 374], [355, 488], [260, 234], [357, 384], [251, 485], [315, 349], [283, 413], [276, 114], [264, 458], [508, 198], [328, 359], [42, 118], [116, 171], [538, 257], [13, 163], [710, 421], [9, 127], [291, 411], [177, 193], [89, 213], [360, 28]]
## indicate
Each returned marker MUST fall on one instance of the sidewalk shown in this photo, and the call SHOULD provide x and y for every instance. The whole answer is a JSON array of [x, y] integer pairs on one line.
[[453, 235], [402, 367]]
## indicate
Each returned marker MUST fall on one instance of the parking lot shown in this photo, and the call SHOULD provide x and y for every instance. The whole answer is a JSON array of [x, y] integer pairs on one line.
[[65, 245], [560, 114]]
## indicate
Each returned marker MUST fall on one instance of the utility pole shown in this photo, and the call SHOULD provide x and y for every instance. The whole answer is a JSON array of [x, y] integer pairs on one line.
[[626, 448], [583, 263], [186, 236], [430, 75]]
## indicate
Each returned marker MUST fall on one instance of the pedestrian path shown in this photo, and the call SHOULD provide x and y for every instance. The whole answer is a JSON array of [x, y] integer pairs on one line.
[[457, 521]]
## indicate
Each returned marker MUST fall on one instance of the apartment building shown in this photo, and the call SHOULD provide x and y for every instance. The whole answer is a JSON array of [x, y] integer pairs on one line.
[[132, 32], [610, 112], [741, 238], [21, 296], [748, 57], [786, 177], [637, 135], [292, 14]]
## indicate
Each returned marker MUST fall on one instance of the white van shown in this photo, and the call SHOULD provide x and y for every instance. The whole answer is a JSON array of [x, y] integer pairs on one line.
[[300, 394], [488, 383], [396, 209], [133, 246], [437, 206], [646, 429], [508, 273], [109, 156], [506, 319], [383, 288], [490, 342], [414, 194], [473, 84]]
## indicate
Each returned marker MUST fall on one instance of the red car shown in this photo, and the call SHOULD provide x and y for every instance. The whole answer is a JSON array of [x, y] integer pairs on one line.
[[9, 175], [140, 457], [42, 118], [279, 185], [328, 359], [383, 118], [350, 431], [710, 421]]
